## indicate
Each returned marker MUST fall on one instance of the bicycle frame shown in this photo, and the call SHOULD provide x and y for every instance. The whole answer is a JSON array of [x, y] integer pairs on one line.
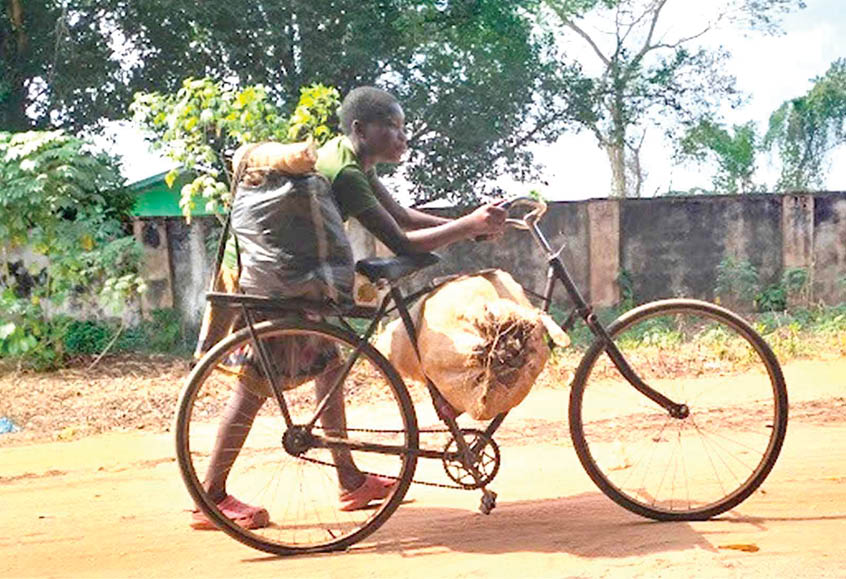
[[556, 272]]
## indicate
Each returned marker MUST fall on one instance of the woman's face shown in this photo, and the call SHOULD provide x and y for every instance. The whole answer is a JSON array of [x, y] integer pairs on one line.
[[385, 140]]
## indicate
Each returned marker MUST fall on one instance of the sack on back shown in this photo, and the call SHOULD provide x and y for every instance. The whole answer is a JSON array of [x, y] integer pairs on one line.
[[291, 238]]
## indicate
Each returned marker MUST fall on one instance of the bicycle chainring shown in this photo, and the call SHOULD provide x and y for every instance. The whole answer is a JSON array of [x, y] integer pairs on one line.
[[485, 459]]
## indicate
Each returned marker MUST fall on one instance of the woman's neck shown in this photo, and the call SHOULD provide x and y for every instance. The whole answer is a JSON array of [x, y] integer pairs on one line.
[[366, 161]]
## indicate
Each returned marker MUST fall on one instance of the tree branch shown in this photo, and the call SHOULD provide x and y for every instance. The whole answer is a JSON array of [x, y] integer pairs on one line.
[[575, 27], [634, 25], [652, 25], [681, 41]]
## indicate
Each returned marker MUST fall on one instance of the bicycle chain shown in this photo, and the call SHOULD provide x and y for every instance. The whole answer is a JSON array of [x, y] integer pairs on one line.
[[377, 430]]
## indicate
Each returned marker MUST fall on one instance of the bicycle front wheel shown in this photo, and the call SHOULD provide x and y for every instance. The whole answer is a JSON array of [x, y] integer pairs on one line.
[[283, 469], [690, 468]]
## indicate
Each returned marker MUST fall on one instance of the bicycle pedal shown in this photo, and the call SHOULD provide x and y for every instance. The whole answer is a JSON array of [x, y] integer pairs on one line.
[[488, 502]]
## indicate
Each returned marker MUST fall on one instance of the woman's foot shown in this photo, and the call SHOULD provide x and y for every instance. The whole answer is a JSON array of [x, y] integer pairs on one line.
[[373, 488], [241, 514]]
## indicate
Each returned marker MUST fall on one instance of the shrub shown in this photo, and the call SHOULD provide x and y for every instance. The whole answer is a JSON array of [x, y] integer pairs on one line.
[[87, 337]]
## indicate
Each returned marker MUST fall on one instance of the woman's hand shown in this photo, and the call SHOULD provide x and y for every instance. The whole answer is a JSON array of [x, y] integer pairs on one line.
[[487, 221]]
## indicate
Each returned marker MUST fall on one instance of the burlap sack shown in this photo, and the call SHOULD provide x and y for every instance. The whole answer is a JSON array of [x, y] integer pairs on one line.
[[481, 343], [288, 158]]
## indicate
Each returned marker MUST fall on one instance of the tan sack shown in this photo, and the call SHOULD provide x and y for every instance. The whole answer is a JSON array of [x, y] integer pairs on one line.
[[481, 343], [289, 158]]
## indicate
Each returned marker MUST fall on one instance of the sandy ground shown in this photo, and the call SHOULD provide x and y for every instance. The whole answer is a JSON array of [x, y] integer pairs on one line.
[[113, 505]]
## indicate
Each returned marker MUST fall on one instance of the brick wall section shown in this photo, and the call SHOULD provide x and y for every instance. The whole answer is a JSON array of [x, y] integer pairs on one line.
[[671, 246], [829, 248]]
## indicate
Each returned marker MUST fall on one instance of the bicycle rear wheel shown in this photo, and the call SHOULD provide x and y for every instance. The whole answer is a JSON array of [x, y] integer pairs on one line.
[[690, 468], [298, 484]]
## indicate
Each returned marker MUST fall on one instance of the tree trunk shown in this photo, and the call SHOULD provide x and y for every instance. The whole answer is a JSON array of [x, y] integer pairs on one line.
[[617, 157], [13, 111], [13, 107], [635, 173]]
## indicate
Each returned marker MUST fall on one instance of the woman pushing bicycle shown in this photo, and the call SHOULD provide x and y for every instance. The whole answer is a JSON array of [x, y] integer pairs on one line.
[[372, 122]]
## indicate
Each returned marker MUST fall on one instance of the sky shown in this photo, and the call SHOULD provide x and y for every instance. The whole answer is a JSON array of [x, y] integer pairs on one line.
[[768, 69]]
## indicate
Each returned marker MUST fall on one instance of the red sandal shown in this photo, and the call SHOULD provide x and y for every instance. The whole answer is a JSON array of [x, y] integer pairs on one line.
[[241, 514], [373, 488]]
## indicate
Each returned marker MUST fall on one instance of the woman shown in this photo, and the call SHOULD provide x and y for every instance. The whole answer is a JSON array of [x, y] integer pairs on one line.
[[373, 123]]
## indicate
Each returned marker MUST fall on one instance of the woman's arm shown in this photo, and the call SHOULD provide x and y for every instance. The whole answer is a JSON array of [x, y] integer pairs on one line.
[[486, 220], [405, 217]]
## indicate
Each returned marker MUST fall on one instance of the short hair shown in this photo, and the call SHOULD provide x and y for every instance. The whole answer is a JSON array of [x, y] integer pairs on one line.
[[366, 104]]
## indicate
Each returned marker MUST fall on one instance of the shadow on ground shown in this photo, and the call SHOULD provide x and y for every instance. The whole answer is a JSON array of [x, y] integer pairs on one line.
[[584, 525]]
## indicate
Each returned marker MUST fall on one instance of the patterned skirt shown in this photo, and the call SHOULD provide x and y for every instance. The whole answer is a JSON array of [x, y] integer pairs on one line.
[[294, 360]]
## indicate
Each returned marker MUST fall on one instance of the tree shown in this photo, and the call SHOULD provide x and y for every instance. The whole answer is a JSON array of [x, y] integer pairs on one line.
[[734, 152], [477, 77], [805, 129], [483, 82], [69, 206], [202, 124], [650, 76]]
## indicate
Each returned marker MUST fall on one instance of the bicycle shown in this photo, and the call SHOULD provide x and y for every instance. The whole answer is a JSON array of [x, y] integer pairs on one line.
[[662, 447]]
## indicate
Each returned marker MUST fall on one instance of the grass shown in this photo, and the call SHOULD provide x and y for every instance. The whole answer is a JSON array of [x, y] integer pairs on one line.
[[801, 333]]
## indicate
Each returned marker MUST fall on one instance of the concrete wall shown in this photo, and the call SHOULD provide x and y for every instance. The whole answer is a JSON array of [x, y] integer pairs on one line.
[[192, 263], [828, 231], [670, 246]]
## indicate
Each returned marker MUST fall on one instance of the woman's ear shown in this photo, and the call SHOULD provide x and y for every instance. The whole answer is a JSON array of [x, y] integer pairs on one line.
[[357, 128]]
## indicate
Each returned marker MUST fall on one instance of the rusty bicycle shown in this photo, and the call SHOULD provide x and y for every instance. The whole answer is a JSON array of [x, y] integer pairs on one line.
[[677, 411]]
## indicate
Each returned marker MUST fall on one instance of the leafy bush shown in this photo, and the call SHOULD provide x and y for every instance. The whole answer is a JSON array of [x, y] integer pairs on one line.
[[626, 285], [204, 121], [776, 297], [739, 286], [771, 299], [162, 334], [68, 205], [27, 336], [87, 337], [165, 331], [737, 282]]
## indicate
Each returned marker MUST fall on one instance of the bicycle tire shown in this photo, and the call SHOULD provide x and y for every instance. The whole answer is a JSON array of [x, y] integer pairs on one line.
[[373, 382], [757, 416]]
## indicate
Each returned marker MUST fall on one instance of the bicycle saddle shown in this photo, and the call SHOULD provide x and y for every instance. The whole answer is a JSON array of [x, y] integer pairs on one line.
[[394, 268]]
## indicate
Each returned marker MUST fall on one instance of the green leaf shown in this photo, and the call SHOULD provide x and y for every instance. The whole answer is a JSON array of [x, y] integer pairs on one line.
[[171, 177], [7, 330]]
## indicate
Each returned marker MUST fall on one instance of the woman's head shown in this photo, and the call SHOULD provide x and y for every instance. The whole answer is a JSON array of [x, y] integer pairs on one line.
[[374, 120]]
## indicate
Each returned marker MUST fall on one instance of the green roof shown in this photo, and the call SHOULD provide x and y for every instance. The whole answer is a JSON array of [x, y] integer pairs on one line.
[[153, 198]]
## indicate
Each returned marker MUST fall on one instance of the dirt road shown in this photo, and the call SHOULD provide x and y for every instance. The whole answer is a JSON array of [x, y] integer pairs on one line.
[[113, 505]]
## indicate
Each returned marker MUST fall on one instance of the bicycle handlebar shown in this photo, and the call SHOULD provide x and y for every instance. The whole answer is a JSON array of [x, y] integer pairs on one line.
[[529, 219]]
